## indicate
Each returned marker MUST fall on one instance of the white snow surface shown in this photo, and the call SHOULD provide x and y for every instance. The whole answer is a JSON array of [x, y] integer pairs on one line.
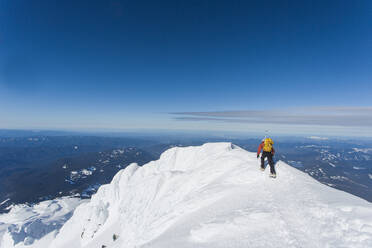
[[5, 201], [365, 150], [35, 226], [86, 172], [213, 196]]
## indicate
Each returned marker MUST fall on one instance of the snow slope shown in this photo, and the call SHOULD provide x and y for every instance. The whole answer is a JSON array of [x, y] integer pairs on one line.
[[36, 225], [215, 196]]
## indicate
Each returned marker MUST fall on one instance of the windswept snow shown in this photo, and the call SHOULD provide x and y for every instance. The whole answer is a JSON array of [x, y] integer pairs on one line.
[[35, 226], [215, 196]]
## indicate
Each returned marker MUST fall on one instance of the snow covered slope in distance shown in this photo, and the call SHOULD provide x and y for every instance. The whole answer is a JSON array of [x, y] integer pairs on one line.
[[215, 196], [35, 226]]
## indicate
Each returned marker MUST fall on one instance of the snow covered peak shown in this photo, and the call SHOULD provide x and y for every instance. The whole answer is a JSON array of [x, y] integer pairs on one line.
[[142, 202], [214, 195]]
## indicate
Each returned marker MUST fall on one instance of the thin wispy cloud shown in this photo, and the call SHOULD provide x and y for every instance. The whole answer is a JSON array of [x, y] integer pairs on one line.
[[321, 116]]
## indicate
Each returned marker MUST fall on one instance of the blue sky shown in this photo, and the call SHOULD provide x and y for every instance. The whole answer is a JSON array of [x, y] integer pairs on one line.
[[154, 64]]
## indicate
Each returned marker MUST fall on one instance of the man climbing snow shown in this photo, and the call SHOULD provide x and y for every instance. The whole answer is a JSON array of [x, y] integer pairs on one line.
[[267, 152]]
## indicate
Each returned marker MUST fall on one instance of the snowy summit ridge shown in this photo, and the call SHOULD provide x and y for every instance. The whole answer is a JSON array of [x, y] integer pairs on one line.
[[214, 195]]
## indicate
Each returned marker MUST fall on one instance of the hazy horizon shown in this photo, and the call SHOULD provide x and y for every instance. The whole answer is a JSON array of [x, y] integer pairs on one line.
[[291, 67]]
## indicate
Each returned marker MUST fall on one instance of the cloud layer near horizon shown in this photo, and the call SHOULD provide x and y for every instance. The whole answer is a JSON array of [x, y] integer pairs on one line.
[[320, 116]]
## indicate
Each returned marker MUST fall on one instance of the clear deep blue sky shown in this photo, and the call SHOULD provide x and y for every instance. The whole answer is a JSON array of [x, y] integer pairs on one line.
[[128, 64]]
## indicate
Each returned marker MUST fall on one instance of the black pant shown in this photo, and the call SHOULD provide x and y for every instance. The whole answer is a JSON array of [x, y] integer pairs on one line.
[[269, 157]]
